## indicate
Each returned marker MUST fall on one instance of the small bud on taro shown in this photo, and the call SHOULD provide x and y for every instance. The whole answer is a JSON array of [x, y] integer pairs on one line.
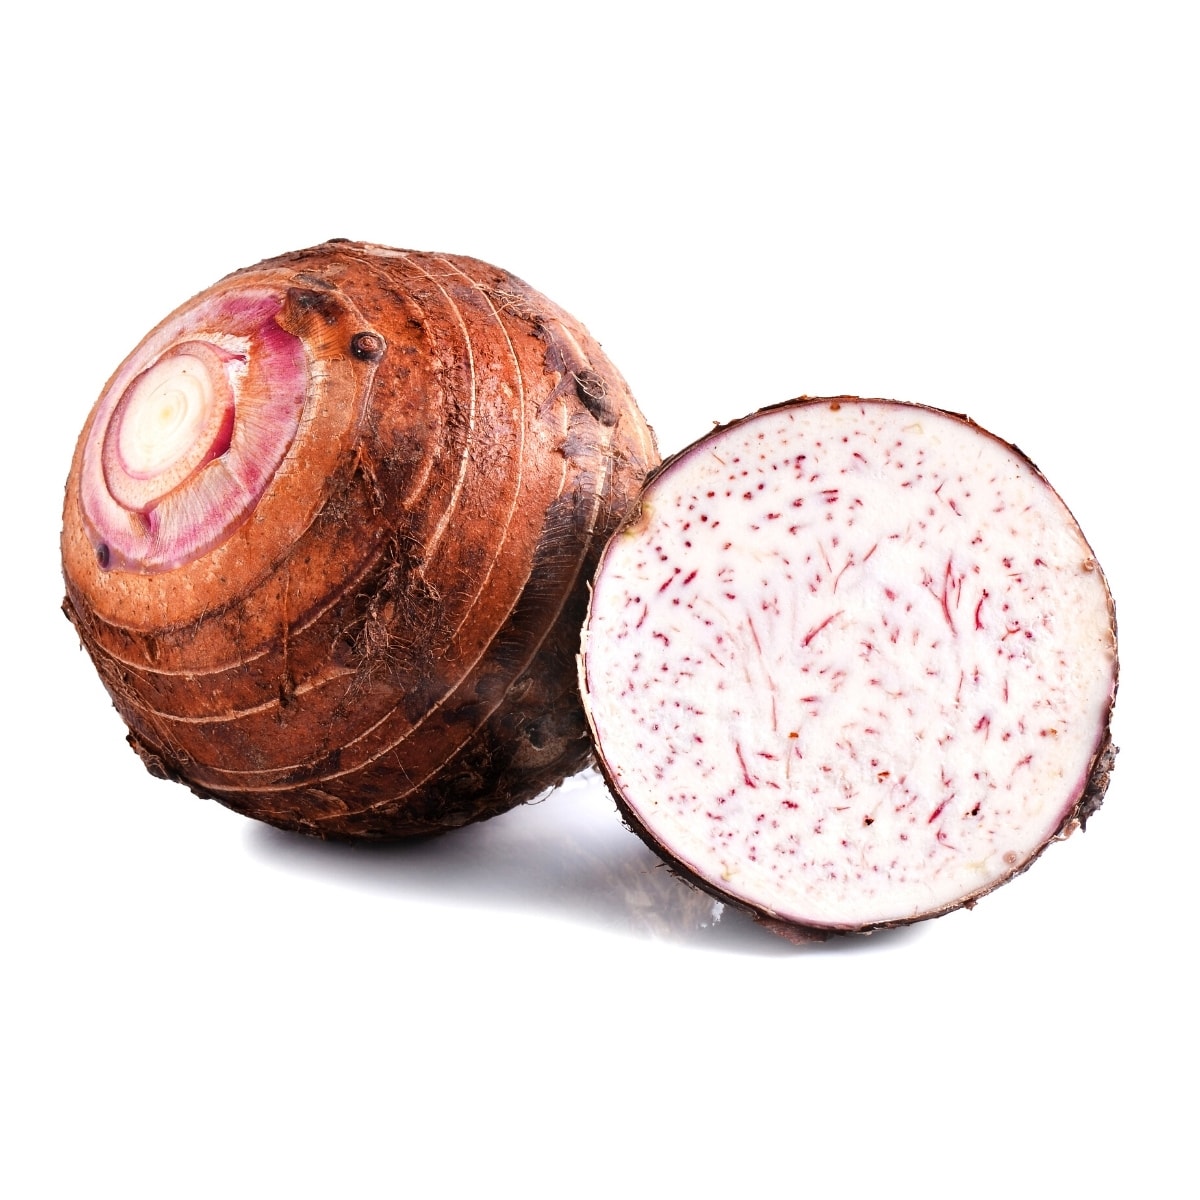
[[327, 537], [851, 665], [367, 346]]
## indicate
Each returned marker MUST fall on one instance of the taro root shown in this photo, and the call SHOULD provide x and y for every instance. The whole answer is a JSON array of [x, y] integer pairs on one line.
[[327, 537], [850, 664]]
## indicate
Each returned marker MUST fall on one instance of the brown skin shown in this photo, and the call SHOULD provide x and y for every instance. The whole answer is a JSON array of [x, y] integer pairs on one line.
[[385, 647]]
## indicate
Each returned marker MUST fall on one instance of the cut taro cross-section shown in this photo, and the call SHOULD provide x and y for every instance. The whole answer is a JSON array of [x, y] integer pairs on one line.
[[851, 664]]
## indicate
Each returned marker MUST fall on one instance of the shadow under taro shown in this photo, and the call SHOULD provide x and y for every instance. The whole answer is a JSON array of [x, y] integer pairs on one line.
[[568, 856]]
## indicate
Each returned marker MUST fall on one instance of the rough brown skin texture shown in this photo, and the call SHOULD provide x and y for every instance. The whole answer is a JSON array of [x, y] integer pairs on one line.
[[385, 646], [827, 713]]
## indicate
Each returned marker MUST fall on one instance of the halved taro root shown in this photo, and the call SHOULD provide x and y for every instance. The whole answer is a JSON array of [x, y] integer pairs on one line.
[[851, 664]]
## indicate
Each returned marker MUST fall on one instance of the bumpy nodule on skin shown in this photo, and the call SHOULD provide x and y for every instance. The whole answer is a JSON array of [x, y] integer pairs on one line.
[[328, 532], [851, 664]]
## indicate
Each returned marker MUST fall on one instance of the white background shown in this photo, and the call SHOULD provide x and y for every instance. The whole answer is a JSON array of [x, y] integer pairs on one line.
[[991, 209]]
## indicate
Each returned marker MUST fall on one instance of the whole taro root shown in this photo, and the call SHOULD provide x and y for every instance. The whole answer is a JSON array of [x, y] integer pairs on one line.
[[851, 664], [327, 537]]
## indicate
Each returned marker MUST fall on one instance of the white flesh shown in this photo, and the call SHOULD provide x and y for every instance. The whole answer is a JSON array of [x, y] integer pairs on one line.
[[167, 425], [165, 416], [852, 663]]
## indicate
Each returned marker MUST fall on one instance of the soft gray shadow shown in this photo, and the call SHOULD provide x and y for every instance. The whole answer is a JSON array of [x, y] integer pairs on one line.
[[568, 856]]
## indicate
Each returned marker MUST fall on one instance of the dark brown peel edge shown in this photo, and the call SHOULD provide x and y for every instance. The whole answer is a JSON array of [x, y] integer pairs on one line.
[[1103, 766]]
